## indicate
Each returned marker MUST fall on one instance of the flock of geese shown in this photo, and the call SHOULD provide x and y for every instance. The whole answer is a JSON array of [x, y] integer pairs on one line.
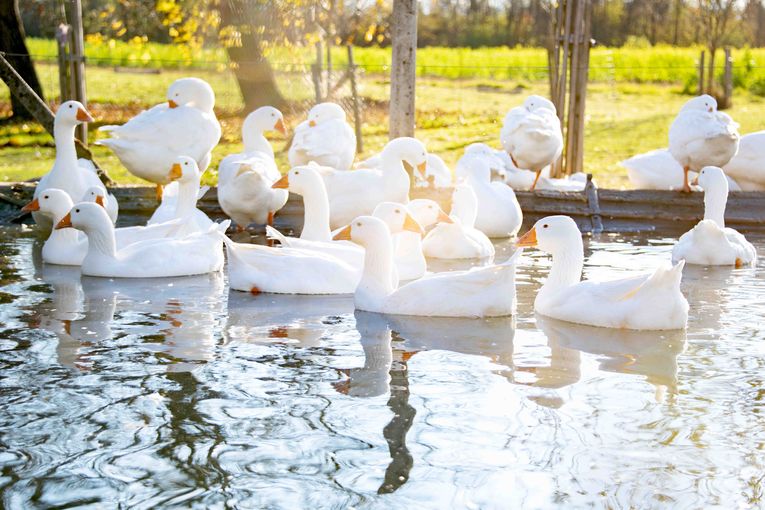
[[361, 233]]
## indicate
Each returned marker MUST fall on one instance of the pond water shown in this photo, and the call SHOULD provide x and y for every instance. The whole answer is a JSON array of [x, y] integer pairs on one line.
[[159, 393]]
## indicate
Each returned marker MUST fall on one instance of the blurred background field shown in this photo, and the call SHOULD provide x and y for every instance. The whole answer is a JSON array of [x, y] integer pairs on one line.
[[462, 96]]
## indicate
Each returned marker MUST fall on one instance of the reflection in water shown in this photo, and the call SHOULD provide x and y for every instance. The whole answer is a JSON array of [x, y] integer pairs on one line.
[[281, 317], [175, 317], [118, 393], [652, 354]]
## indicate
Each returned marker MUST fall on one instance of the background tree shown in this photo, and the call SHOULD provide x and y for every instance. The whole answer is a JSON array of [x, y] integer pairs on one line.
[[715, 21], [13, 45]]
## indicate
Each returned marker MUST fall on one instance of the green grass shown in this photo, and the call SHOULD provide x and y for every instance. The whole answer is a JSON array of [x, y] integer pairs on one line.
[[658, 64], [623, 117]]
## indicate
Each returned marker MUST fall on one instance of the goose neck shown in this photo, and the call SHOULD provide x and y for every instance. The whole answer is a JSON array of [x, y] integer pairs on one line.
[[714, 206], [566, 270], [316, 215], [187, 198], [101, 240], [376, 282], [66, 155]]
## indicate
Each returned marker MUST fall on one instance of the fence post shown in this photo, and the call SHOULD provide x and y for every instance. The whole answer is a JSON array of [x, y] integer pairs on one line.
[[355, 94], [316, 73], [77, 57], [403, 68], [728, 80], [62, 41], [701, 71]]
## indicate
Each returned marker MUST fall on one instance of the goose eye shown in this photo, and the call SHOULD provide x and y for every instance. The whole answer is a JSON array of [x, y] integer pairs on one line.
[[186, 163], [397, 211], [76, 210], [358, 223], [297, 173], [544, 226]]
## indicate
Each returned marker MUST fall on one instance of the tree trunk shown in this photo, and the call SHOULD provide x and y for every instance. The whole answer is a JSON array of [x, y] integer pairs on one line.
[[255, 77], [252, 70], [711, 71], [12, 43], [402, 79]]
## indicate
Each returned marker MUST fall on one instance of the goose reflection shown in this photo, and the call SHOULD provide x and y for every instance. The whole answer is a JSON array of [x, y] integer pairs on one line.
[[300, 319], [174, 318], [651, 354]]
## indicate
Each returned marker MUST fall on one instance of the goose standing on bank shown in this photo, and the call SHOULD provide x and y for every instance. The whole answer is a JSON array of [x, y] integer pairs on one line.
[[357, 193], [649, 301], [324, 137], [531, 135], [710, 242], [479, 292], [197, 253], [186, 124], [68, 173], [747, 167], [701, 136], [657, 169]]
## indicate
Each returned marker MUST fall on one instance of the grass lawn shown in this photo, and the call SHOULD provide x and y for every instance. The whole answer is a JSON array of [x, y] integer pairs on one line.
[[623, 119]]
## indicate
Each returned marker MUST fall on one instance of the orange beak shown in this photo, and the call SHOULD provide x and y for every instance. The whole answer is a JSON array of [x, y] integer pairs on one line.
[[343, 235], [283, 183], [172, 104], [66, 222], [100, 201], [529, 239], [312, 123], [83, 115], [411, 225], [175, 172], [444, 218], [279, 126], [422, 167], [34, 205]]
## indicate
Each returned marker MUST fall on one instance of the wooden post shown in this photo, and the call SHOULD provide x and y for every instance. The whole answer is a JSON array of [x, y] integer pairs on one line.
[[62, 42], [316, 73], [728, 80], [403, 68], [701, 72], [39, 109], [77, 56], [355, 95]]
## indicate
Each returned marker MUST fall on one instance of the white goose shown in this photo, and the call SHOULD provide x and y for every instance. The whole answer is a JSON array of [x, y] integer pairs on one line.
[[186, 125], [710, 242], [311, 270], [458, 238], [747, 167], [355, 193], [701, 136], [185, 172], [316, 234], [531, 135], [483, 292], [649, 301], [265, 118], [657, 169], [499, 214], [406, 233], [325, 137], [68, 247], [197, 253], [245, 179], [105, 199], [490, 157], [68, 173]]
